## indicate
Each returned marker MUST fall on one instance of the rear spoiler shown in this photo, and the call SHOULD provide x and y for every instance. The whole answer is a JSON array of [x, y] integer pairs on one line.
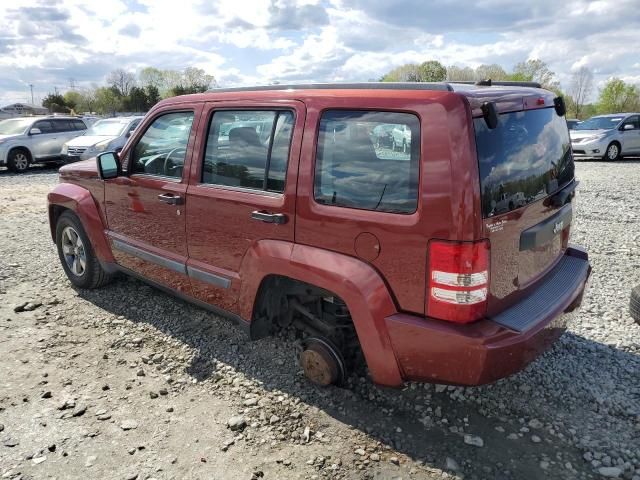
[[490, 112]]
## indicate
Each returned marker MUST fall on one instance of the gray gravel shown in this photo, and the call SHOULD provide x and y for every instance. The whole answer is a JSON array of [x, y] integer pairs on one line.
[[210, 405]]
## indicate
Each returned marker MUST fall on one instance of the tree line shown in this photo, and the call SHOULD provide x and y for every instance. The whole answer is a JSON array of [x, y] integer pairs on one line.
[[615, 97], [126, 92]]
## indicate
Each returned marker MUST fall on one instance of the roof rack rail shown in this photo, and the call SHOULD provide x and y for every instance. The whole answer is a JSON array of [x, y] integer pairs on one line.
[[442, 86], [504, 83]]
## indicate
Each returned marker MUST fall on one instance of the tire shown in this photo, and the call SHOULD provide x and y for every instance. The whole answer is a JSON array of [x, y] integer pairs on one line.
[[634, 304], [18, 161], [613, 152], [76, 254]]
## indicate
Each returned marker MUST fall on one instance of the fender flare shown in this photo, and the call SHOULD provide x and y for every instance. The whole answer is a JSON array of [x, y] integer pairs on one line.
[[353, 280], [80, 201]]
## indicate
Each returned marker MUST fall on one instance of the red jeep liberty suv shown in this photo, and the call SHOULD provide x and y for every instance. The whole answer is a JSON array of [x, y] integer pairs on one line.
[[421, 226]]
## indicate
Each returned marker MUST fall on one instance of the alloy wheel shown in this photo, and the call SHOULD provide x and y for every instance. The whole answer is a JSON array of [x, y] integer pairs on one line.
[[612, 152], [74, 252], [20, 161]]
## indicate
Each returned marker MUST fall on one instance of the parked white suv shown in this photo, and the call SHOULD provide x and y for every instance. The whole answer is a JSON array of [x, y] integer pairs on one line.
[[28, 140], [607, 136], [108, 135]]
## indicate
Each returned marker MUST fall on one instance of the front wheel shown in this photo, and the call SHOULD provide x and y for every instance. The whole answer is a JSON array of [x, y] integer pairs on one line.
[[613, 152], [76, 254], [18, 160]]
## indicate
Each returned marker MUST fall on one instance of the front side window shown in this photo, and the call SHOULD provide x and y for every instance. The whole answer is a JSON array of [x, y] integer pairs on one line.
[[248, 149], [368, 160], [62, 125], [163, 147], [79, 125], [45, 126], [633, 121]]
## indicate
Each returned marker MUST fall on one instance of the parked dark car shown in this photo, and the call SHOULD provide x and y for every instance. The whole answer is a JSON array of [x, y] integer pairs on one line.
[[275, 208]]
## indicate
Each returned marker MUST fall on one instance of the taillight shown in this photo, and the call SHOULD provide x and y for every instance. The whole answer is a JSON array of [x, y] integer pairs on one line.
[[458, 280]]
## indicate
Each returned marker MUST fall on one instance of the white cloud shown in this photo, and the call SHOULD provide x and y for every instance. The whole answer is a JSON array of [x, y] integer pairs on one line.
[[258, 41]]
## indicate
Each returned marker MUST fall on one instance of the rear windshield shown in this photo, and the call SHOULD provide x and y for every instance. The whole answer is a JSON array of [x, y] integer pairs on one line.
[[524, 159]]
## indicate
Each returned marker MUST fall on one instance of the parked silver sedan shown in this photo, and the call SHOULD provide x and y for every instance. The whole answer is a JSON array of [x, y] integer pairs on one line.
[[28, 140]]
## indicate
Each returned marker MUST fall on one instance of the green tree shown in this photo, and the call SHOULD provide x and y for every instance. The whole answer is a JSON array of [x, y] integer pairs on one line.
[[490, 72], [153, 96], [535, 71], [73, 100], [55, 103], [618, 97], [108, 100], [460, 74], [151, 76], [136, 101], [429, 71]]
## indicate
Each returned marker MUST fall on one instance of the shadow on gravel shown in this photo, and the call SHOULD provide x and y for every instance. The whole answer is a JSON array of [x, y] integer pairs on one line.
[[404, 419], [33, 170]]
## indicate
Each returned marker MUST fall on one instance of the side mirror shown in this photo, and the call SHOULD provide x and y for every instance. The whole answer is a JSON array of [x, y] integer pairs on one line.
[[108, 165], [627, 126], [35, 131]]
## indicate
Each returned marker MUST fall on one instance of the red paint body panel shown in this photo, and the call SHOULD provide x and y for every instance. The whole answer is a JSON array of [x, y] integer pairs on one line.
[[475, 354], [84, 204], [357, 283], [385, 287]]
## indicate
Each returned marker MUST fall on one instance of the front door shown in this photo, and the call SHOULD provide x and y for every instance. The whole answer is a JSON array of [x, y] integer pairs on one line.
[[631, 137], [146, 208], [43, 144], [242, 190]]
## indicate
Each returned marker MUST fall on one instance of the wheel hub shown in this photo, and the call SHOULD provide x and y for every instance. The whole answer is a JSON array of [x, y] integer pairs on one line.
[[322, 362]]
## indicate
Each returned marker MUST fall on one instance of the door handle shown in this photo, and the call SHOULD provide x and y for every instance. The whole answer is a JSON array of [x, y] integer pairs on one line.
[[170, 198], [266, 217]]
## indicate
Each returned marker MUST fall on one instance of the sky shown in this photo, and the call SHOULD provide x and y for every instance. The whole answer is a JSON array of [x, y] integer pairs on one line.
[[53, 44]]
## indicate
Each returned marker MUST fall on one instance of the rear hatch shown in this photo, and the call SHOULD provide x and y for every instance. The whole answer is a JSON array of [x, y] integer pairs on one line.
[[527, 183]]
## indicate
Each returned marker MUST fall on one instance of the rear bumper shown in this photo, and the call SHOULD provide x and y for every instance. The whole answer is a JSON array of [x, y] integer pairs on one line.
[[485, 351]]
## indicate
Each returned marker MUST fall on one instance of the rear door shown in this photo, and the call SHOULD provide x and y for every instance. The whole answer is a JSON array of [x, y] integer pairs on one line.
[[65, 131], [242, 190], [146, 208], [527, 182]]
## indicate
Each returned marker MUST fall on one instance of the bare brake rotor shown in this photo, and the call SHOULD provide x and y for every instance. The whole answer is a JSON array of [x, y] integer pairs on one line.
[[322, 362]]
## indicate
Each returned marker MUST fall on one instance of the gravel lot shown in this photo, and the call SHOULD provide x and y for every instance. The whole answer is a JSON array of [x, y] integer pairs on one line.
[[129, 383]]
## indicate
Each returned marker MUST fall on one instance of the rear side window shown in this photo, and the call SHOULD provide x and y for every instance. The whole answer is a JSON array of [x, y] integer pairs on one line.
[[368, 160], [248, 149], [524, 159], [61, 125]]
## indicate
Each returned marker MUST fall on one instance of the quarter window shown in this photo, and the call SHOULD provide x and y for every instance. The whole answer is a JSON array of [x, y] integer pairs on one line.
[[368, 160], [163, 147], [249, 149]]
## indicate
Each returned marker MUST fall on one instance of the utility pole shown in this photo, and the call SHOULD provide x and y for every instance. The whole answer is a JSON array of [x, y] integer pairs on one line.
[[31, 87], [55, 89]]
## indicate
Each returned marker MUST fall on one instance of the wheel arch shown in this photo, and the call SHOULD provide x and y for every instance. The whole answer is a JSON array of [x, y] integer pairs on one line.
[[358, 284], [74, 198], [21, 147]]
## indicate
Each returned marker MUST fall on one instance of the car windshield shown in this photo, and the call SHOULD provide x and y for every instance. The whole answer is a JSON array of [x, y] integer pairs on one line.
[[14, 126], [111, 128], [599, 123]]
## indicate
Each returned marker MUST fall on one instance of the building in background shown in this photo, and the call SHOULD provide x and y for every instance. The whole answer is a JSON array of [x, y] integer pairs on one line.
[[21, 109]]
